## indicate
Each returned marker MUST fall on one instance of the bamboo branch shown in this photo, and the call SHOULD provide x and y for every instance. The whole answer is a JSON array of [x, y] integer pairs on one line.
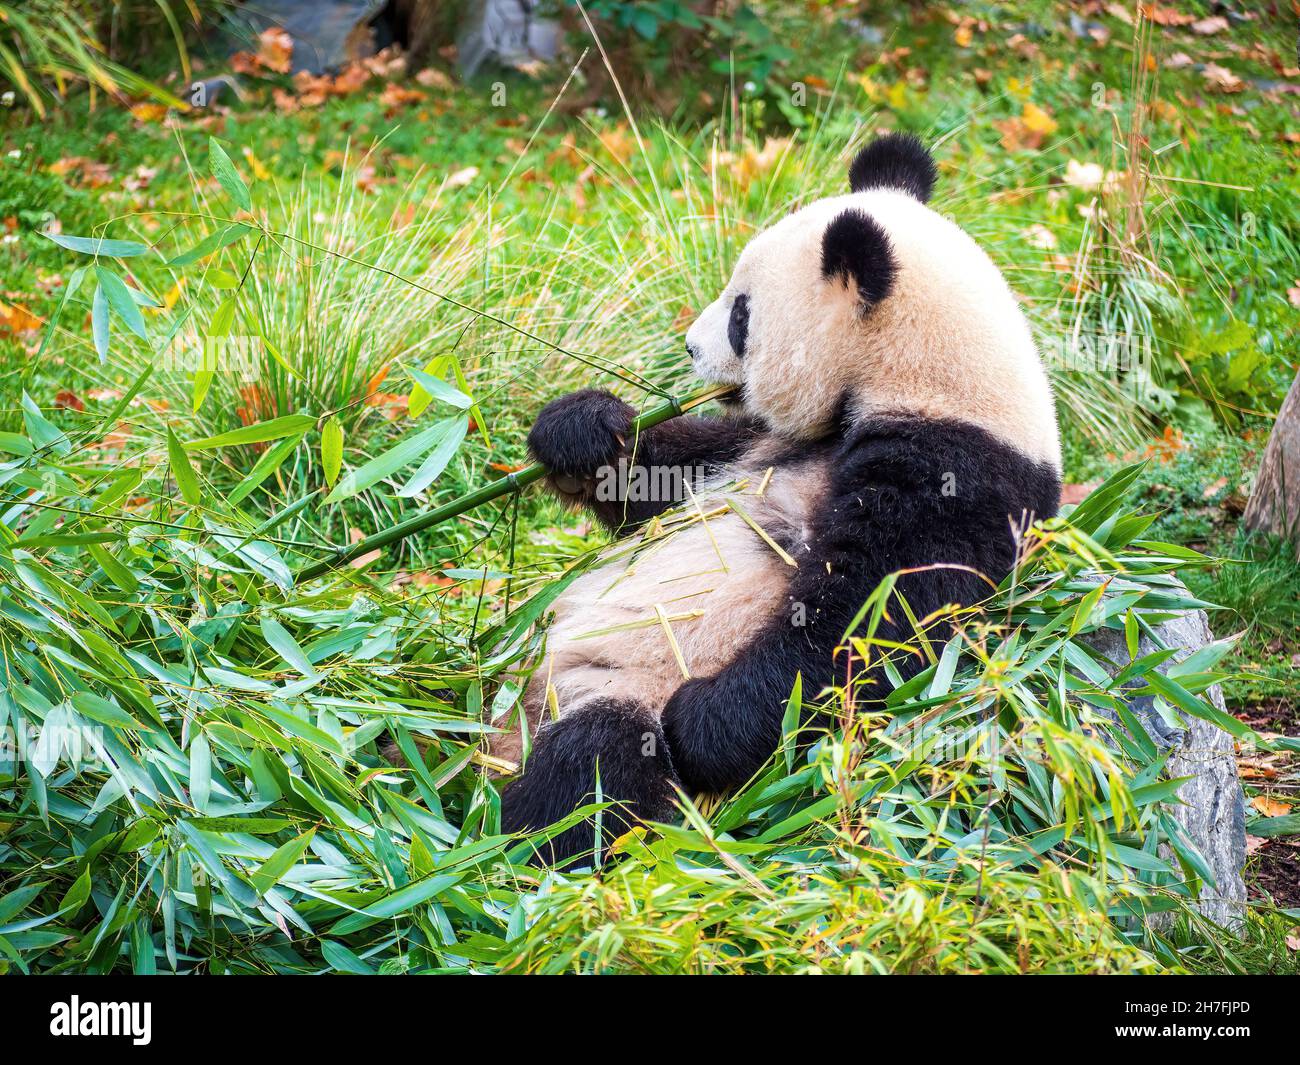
[[512, 482]]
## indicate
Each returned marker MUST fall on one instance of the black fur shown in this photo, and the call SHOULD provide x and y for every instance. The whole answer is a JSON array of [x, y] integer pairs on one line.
[[577, 436], [738, 325], [894, 161], [886, 510], [626, 744], [905, 493], [855, 246]]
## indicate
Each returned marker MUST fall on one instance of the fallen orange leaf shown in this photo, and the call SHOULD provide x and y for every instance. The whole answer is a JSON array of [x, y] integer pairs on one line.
[[1270, 807], [15, 319]]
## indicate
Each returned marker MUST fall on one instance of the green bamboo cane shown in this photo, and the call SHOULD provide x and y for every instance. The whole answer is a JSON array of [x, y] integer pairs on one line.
[[513, 482]]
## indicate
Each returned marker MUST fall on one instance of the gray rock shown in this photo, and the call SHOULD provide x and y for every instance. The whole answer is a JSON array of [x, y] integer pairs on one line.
[[509, 31], [320, 29], [1213, 810]]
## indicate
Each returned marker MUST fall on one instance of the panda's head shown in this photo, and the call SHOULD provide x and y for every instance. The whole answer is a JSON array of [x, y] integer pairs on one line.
[[871, 302]]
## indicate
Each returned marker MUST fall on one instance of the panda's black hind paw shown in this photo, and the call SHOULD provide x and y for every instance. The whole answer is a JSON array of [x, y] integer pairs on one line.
[[578, 434], [620, 740]]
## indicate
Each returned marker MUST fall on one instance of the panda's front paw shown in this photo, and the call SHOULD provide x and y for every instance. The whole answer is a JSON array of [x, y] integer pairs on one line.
[[578, 434]]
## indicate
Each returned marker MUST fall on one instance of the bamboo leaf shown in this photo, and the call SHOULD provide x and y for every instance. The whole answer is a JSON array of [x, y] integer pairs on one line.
[[43, 433], [100, 709], [388, 463], [265, 467], [200, 773], [100, 329], [227, 176], [270, 872], [259, 433], [186, 479], [429, 386], [121, 300], [113, 249], [277, 636], [331, 449], [222, 238], [437, 460]]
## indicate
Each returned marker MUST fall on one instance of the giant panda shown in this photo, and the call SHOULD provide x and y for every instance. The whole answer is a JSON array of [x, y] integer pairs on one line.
[[890, 412]]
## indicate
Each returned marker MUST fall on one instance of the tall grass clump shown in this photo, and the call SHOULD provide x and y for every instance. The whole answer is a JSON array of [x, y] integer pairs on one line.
[[328, 304], [48, 45]]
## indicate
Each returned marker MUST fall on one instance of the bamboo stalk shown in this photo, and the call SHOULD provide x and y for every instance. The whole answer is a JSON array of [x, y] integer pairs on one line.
[[512, 482]]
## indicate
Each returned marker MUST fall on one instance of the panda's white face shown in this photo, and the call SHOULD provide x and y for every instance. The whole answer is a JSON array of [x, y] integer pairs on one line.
[[872, 302]]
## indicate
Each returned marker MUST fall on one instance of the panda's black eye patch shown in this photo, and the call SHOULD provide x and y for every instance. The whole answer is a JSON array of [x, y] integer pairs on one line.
[[738, 325]]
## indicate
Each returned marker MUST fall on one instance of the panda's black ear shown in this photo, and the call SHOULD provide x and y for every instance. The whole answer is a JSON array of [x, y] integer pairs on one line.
[[855, 247], [894, 161]]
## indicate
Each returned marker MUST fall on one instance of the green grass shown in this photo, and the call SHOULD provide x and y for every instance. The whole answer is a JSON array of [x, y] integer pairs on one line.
[[249, 822]]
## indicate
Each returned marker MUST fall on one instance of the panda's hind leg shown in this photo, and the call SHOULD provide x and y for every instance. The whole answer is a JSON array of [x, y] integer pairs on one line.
[[621, 740]]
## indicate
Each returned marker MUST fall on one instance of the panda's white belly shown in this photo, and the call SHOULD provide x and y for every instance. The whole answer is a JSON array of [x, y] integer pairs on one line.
[[707, 584]]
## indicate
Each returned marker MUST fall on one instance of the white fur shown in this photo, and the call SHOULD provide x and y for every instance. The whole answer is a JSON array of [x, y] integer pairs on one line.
[[716, 578], [948, 342]]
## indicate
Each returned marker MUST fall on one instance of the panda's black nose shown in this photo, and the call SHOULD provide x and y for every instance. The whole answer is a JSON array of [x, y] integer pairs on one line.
[[692, 351]]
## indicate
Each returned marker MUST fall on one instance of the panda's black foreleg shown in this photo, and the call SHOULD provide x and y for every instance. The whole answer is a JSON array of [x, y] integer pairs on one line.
[[623, 743], [888, 511], [596, 459]]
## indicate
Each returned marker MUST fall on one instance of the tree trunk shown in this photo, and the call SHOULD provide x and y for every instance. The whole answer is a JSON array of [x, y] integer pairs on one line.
[[1275, 503]]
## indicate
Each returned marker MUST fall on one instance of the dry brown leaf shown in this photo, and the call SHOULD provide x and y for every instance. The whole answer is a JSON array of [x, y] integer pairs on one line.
[[433, 78], [1270, 807], [274, 54], [351, 79], [148, 112], [1207, 26], [751, 161], [286, 102], [15, 318], [356, 536], [395, 95], [1084, 176], [1255, 843], [1165, 16], [1073, 494], [1221, 78], [92, 174], [391, 405], [1293, 294], [140, 179], [1215, 488], [462, 177], [619, 142], [1039, 236], [386, 63]]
